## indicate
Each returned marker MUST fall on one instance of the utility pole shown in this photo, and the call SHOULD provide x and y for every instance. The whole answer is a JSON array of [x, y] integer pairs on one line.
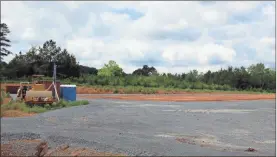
[[54, 79]]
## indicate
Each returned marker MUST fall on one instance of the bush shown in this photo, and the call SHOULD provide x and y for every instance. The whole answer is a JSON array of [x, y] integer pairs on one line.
[[78, 103], [226, 87], [47, 106], [116, 91], [14, 106], [37, 109]]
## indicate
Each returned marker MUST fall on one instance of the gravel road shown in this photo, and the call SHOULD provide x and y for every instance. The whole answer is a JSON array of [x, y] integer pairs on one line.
[[155, 128]]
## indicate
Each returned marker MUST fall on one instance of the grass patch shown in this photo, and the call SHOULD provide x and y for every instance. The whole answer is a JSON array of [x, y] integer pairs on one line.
[[20, 106], [3, 95], [63, 103]]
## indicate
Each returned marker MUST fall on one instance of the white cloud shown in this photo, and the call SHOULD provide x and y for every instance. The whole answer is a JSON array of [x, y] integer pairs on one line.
[[269, 10], [268, 41], [240, 6], [201, 54], [33, 24], [176, 32], [180, 70], [90, 51]]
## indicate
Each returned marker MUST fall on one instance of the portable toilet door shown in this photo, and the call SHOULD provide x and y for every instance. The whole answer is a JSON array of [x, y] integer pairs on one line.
[[68, 92]]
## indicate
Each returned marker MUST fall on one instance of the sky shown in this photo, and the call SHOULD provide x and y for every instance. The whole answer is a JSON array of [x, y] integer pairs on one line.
[[174, 37]]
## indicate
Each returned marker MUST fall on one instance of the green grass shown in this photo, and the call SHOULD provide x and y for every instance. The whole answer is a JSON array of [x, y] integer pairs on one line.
[[3, 95], [40, 109], [63, 103]]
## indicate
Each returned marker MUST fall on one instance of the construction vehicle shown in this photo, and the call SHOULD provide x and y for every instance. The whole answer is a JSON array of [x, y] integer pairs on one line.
[[35, 93]]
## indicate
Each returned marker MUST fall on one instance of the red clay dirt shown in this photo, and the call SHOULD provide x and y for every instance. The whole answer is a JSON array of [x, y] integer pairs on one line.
[[85, 90], [185, 97], [92, 90]]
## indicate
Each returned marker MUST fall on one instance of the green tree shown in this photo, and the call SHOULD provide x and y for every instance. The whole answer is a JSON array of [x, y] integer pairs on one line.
[[192, 76], [40, 61], [146, 71], [257, 75], [111, 69], [4, 41], [88, 70]]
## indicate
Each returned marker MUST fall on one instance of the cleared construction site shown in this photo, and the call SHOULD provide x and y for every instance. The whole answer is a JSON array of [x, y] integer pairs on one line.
[[128, 127], [138, 79], [120, 124], [136, 124]]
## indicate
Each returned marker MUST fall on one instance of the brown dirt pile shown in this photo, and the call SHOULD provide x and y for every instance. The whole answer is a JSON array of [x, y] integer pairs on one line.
[[186, 97], [41, 148]]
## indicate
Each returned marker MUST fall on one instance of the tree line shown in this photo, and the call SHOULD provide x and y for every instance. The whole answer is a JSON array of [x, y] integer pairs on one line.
[[40, 60]]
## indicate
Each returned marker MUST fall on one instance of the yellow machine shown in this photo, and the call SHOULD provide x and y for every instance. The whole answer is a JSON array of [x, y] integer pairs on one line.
[[35, 93]]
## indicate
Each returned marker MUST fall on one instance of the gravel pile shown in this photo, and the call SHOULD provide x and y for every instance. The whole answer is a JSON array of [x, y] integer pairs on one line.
[[35, 148], [6, 137]]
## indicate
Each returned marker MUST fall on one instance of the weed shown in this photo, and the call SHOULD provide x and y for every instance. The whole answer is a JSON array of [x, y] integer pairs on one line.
[[40, 109]]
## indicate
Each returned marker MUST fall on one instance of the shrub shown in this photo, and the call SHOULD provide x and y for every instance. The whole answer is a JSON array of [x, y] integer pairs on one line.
[[37, 109], [116, 91]]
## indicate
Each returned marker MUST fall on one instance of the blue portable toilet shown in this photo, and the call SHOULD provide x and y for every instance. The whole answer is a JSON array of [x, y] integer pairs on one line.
[[68, 92]]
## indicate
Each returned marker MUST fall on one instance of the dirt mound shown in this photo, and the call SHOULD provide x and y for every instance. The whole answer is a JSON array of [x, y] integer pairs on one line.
[[38, 147], [185, 97], [16, 113]]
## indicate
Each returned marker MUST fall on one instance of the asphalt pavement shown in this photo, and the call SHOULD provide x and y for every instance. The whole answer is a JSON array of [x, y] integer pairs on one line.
[[155, 128]]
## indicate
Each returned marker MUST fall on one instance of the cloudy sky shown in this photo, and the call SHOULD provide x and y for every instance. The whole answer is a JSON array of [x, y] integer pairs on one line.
[[172, 36]]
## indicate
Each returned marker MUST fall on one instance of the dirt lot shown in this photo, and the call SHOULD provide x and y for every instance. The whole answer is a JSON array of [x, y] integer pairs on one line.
[[152, 128], [184, 97], [161, 97]]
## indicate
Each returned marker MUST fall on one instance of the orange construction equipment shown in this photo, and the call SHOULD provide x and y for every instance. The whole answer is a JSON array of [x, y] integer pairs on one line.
[[35, 93]]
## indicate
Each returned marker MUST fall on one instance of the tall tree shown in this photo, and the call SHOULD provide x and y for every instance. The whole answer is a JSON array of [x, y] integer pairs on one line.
[[257, 73], [111, 69], [4, 41], [145, 71]]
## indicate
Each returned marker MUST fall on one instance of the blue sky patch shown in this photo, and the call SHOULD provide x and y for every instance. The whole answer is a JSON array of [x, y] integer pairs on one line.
[[133, 14]]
